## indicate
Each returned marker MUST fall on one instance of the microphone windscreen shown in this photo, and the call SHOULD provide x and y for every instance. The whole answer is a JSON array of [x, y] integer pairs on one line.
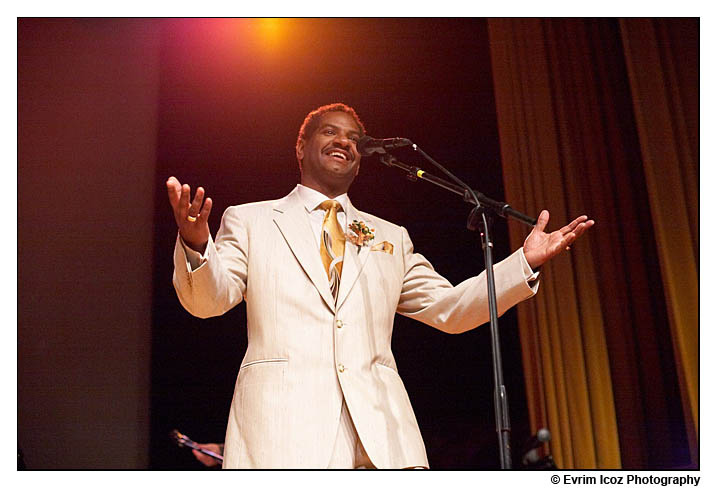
[[543, 435], [363, 145]]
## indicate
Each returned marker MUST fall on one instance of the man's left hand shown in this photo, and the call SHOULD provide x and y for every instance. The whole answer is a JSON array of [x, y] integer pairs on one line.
[[540, 247]]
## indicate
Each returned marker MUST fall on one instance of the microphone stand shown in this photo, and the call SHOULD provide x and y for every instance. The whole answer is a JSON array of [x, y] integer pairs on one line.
[[481, 214]]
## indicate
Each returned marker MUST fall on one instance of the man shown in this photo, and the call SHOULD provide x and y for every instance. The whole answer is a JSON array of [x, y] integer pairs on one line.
[[318, 386]]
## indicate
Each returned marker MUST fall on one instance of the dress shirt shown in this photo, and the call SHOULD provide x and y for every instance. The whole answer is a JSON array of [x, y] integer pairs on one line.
[[311, 200]]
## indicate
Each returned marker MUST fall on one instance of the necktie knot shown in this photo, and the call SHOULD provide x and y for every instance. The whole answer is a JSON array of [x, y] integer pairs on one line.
[[330, 204]]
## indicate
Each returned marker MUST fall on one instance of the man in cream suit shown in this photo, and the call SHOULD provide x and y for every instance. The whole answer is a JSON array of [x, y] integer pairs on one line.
[[318, 386]]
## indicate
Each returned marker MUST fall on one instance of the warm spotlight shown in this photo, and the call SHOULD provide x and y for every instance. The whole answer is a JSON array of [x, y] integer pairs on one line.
[[270, 29]]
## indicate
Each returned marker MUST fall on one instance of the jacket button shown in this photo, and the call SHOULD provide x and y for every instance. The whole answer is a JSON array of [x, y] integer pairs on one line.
[[339, 323], [341, 367]]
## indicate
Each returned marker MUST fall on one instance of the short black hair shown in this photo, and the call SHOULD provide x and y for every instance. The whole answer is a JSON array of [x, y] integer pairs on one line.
[[311, 121]]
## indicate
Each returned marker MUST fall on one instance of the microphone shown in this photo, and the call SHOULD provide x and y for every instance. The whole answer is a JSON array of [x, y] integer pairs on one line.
[[531, 448], [368, 145]]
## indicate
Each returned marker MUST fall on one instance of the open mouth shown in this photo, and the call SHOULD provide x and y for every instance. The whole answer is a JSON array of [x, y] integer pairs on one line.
[[339, 155]]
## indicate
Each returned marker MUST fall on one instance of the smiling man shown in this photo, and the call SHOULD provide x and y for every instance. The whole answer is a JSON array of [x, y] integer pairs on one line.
[[329, 161], [318, 386]]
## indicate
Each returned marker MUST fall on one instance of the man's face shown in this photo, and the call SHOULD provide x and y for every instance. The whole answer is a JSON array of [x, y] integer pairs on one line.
[[329, 157]]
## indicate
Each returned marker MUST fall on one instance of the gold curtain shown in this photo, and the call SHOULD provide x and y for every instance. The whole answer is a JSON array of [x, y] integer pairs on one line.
[[596, 117], [663, 73], [562, 336]]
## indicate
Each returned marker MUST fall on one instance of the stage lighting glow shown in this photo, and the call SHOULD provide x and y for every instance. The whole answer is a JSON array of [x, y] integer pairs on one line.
[[270, 29]]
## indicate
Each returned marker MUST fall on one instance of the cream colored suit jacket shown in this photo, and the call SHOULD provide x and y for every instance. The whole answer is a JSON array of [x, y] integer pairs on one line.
[[305, 353]]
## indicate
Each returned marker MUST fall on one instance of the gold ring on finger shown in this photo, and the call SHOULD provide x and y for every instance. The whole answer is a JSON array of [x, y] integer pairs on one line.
[[191, 218]]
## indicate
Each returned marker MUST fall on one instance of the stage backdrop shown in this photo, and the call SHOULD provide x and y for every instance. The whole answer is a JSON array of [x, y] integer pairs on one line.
[[87, 139], [601, 116], [587, 116]]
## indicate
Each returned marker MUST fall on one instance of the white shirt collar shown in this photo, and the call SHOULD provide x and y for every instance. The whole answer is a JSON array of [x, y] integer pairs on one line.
[[312, 198]]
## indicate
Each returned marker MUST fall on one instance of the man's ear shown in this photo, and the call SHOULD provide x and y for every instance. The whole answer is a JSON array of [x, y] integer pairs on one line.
[[300, 152]]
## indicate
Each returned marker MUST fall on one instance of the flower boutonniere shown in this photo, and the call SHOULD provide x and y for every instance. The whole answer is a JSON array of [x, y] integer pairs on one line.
[[362, 234]]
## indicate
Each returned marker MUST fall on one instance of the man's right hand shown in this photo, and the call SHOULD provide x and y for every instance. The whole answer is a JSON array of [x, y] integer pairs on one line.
[[195, 233], [206, 459]]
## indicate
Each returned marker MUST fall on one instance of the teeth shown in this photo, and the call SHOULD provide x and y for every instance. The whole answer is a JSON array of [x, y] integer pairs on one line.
[[337, 153]]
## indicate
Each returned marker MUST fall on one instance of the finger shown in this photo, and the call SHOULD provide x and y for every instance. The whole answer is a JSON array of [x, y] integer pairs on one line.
[[563, 242], [579, 230], [206, 209], [542, 221], [573, 224], [196, 205], [582, 228], [568, 240], [183, 205], [174, 190]]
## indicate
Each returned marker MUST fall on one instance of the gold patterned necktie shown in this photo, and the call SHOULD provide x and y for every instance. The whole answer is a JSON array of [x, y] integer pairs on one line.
[[331, 246]]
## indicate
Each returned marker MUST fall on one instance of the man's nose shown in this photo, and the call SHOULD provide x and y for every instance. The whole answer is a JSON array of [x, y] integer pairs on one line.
[[343, 140]]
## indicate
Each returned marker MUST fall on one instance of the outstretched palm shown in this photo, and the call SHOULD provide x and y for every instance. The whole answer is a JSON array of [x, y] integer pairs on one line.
[[540, 246], [191, 217]]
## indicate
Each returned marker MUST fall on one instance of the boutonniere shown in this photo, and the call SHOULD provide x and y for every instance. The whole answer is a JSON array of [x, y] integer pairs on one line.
[[362, 234]]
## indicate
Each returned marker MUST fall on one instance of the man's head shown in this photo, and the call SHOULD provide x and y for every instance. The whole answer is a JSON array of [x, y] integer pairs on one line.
[[326, 148]]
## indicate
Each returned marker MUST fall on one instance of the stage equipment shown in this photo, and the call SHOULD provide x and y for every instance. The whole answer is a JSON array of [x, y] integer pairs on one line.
[[480, 216], [368, 145], [530, 459], [184, 441]]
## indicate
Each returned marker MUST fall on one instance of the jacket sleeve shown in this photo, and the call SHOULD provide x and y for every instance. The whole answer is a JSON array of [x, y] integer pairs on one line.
[[219, 281], [431, 299]]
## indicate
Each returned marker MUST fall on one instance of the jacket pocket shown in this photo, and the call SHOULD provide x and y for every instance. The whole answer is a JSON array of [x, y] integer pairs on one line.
[[265, 360], [387, 367]]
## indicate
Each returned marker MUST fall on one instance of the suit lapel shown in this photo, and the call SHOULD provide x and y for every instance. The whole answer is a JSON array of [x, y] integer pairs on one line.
[[355, 258], [293, 222]]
